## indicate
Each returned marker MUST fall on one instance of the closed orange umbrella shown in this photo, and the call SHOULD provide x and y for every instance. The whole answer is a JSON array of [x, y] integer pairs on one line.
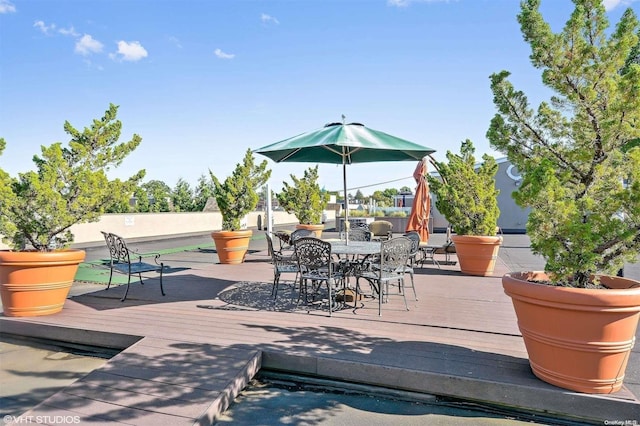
[[419, 217]]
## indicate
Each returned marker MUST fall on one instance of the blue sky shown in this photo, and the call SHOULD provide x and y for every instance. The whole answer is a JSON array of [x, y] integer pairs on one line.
[[201, 81]]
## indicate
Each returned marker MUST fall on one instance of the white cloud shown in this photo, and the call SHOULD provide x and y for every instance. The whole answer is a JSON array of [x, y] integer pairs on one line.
[[87, 45], [46, 29], [266, 19], [69, 32], [7, 7], [609, 5], [130, 51], [222, 55]]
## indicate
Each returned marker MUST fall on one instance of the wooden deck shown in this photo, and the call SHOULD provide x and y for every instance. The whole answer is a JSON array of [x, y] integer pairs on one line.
[[189, 353]]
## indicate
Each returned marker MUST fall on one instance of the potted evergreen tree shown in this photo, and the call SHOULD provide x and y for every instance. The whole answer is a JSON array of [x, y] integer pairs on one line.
[[306, 200], [580, 163], [236, 197], [38, 208], [466, 196]]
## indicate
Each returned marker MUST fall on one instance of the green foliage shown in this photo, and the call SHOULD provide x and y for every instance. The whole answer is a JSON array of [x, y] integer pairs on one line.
[[384, 198], [577, 155], [182, 197], [203, 192], [397, 213], [121, 206], [465, 194], [304, 198], [142, 200], [237, 195], [358, 213], [158, 195], [7, 198], [70, 186]]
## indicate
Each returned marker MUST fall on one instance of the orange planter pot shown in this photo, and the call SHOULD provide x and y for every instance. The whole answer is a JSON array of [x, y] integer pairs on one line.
[[317, 229], [36, 283], [477, 254], [232, 246], [577, 339]]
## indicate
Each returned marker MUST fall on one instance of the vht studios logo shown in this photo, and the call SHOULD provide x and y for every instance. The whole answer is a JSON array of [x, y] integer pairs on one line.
[[48, 420]]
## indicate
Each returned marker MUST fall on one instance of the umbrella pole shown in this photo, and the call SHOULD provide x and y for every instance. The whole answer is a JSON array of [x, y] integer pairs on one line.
[[346, 202]]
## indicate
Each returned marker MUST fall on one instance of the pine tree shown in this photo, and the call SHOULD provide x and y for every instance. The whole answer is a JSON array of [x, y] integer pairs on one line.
[[466, 195], [203, 192], [70, 186], [304, 198], [182, 197], [581, 175], [237, 195]]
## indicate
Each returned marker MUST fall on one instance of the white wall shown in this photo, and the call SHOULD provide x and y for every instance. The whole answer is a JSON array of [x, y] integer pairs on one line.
[[140, 225]]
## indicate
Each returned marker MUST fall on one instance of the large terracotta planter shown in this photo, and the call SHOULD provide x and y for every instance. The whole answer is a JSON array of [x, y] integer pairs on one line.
[[477, 254], [37, 283], [317, 229], [577, 339], [232, 246]]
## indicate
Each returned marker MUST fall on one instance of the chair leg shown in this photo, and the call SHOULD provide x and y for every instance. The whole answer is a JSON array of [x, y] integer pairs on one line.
[[330, 300], [110, 276], [404, 296], [161, 288], [302, 292], [274, 288], [413, 285], [127, 290]]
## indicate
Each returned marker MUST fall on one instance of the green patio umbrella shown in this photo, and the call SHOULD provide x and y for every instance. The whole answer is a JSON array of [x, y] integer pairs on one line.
[[341, 143]]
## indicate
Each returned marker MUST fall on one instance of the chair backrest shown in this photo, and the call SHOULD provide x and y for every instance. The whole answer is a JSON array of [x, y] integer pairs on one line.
[[359, 235], [381, 228], [117, 248], [314, 255], [359, 225], [414, 236], [394, 254], [299, 233], [269, 244], [279, 261]]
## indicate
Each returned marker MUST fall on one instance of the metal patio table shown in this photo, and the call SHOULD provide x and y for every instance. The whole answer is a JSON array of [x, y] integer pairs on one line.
[[352, 258]]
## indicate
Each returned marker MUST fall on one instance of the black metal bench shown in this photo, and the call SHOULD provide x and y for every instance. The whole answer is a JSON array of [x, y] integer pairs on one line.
[[121, 262]]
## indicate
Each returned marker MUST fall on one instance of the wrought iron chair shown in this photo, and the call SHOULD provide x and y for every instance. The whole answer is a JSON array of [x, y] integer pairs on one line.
[[360, 234], [394, 258], [359, 225], [317, 267], [281, 265], [121, 261], [415, 249], [287, 246], [446, 249]]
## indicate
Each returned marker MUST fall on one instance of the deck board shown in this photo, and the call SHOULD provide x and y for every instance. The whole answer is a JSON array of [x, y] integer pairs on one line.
[[197, 351]]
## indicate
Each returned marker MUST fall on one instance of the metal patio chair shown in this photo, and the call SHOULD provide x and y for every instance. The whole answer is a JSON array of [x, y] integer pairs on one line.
[[282, 264], [317, 269], [393, 261]]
